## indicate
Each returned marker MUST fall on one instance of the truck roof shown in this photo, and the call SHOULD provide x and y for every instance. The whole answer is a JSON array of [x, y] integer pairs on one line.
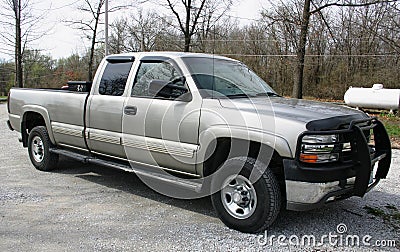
[[172, 55]]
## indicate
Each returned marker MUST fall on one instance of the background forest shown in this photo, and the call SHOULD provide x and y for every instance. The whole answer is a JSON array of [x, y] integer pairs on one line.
[[328, 45]]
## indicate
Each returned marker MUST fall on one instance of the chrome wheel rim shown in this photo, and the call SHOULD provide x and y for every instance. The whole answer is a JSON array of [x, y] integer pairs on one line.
[[239, 197], [37, 149]]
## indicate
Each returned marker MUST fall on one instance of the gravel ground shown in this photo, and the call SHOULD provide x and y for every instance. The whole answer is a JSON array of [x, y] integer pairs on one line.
[[89, 208]]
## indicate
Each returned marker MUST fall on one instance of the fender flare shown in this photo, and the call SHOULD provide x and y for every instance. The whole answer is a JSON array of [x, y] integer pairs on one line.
[[207, 138], [44, 113]]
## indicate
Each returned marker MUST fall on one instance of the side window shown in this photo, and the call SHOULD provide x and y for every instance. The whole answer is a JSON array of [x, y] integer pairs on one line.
[[149, 71], [114, 78]]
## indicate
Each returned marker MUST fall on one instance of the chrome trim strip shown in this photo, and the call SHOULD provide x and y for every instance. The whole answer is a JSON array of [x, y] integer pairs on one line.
[[158, 147], [57, 128], [104, 138], [168, 169], [14, 117], [68, 132]]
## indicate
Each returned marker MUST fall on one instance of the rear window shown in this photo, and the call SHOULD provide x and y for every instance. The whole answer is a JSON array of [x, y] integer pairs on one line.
[[114, 78]]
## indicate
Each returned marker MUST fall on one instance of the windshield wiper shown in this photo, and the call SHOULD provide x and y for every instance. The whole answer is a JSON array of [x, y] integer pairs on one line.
[[269, 94], [238, 96]]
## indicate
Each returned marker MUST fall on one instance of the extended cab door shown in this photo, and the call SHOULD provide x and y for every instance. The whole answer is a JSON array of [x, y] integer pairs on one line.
[[106, 107], [161, 131]]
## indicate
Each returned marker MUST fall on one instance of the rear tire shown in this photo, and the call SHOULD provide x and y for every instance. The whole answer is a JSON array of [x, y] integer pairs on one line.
[[39, 150], [245, 206]]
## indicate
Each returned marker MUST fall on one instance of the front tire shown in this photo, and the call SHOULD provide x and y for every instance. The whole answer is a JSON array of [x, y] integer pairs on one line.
[[39, 150], [245, 206]]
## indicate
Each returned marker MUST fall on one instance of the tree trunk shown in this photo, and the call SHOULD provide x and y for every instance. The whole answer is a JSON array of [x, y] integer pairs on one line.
[[187, 43], [301, 52], [93, 46], [18, 45], [91, 57], [187, 27]]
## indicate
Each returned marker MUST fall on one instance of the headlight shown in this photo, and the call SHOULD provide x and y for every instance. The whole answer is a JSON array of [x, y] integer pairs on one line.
[[320, 149]]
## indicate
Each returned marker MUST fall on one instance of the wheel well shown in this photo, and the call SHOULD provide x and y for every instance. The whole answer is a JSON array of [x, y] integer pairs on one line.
[[30, 121], [221, 150]]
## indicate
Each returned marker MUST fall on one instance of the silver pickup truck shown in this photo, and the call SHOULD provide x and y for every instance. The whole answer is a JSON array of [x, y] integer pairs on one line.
[[194, 125]]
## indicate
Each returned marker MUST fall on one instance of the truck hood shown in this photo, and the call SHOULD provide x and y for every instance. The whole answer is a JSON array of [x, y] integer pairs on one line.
[[316, 115]]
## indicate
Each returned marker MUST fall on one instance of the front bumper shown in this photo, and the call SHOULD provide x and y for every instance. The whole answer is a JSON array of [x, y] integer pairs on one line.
[[310, 186]]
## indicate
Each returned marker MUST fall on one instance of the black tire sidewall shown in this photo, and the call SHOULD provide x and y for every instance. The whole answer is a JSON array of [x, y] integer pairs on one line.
[[49, 159], [258, 219]]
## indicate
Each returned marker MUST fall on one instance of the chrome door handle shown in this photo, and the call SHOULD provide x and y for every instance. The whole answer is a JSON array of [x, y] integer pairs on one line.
[[130, 110]]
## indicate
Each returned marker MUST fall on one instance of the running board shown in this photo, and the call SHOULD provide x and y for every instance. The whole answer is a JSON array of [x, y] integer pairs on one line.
[[70, 154], [160, 176]]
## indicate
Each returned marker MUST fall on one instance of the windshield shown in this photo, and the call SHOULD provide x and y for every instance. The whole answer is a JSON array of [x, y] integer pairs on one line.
[[226, 78]]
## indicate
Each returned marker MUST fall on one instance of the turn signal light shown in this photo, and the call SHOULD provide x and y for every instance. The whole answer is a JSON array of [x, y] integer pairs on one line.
[[306, 158]]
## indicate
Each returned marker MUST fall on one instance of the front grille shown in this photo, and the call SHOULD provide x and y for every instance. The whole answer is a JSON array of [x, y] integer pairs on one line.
[[346, 156]]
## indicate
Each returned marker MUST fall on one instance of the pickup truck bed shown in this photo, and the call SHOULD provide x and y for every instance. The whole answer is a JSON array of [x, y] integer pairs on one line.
[[63, 106]]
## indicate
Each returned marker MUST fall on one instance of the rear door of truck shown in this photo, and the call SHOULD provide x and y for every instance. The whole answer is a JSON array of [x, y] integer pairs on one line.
[[105, 106]]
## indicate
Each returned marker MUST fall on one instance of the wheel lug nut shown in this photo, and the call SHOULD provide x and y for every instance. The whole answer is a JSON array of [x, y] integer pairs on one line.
[[245, 199], [240, 188], [244, 192]]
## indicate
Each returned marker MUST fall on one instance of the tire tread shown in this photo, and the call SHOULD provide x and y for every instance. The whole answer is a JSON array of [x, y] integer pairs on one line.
[[272, 190], [50, 160]]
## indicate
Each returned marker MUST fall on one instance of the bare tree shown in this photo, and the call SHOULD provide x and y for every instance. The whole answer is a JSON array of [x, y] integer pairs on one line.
[[309, 8], [92, 10], [20, 27], [386, 25], [144, 30], [214, 13], [90, 27], [118, 36], [188, 23]]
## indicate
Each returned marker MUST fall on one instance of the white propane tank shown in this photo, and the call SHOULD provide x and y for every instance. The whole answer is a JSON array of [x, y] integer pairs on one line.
[[376, 97]]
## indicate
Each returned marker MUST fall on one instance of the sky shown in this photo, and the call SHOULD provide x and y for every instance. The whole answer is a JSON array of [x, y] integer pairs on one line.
[[62, 40]]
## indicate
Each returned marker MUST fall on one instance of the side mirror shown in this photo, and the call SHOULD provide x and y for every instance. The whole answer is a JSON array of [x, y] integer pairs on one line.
[[169, 89]]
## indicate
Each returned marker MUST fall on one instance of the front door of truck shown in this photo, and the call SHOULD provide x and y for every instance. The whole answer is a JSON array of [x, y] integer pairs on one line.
[[161, 131]]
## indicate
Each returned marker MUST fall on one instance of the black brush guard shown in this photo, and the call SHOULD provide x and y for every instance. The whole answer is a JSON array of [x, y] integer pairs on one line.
[[366, 160], [362, 160]]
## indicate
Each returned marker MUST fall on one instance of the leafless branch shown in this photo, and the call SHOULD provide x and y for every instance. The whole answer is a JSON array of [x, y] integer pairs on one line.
[[337, 4]]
